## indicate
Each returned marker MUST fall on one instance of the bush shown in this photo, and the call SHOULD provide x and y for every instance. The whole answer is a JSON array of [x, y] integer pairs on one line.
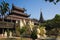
[[34, 35], [22, 30]]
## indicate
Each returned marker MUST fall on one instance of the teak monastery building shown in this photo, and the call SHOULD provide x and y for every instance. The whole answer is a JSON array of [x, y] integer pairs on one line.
[[18, 18]]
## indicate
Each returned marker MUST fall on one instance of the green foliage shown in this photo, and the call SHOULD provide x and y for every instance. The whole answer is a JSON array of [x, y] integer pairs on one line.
[[49, 25], [51, 0], [53, 24], [56, 21], [3, 8], [34, 34], [54, 1], [57, 17], [22, 30]]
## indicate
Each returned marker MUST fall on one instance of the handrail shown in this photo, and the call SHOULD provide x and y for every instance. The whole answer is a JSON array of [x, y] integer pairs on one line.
[[6, 24]]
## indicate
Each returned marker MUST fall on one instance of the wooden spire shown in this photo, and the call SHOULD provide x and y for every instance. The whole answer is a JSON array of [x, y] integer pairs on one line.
[[41, 20]]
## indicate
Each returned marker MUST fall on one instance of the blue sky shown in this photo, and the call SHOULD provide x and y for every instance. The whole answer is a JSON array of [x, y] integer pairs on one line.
[[34, 7]]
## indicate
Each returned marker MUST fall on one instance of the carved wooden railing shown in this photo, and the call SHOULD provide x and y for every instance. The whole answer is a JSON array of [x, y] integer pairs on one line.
[[6, 24]]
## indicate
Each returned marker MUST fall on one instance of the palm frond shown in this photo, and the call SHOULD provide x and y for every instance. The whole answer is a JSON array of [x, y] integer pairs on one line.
[[4, 8]]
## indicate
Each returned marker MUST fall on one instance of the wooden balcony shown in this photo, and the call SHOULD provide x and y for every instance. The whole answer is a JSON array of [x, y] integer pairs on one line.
[[6, 24]]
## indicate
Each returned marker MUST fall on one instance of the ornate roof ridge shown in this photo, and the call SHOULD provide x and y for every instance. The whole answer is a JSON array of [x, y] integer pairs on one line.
[[14, 11]]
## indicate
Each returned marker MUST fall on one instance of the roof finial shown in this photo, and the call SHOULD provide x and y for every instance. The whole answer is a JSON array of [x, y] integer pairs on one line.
[[41, 10]]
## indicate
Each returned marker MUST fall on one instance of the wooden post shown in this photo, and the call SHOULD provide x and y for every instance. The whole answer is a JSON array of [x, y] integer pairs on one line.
[[3, 32], [7, 32]]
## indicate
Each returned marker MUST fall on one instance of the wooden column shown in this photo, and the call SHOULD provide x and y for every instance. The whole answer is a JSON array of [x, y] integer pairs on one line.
[[2, 32], [7, 32]]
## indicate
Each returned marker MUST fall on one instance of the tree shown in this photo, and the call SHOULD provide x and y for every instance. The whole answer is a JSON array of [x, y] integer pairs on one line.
[[3, 8], [34, 34], [54, 1], [54, 24], [56, 21]]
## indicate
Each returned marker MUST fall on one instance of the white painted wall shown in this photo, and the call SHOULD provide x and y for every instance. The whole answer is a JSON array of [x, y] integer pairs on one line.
[[24, 22], [21, 23], [31, 24]]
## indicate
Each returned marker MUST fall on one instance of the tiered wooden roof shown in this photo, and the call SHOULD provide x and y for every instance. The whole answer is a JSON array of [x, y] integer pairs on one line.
[[17, 13], [15, 17], [18, 9]]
